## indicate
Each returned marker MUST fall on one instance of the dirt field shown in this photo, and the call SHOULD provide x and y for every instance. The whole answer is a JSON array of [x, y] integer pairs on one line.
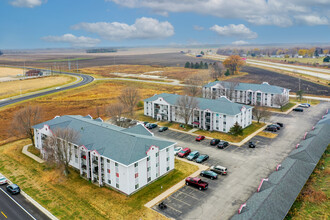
[[8, 72], [12, 88]]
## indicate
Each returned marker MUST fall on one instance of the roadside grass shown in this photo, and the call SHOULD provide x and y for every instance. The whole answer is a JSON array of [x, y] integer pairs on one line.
[[90, 99], [175, 126], [297, 60], [139, 115], [10, 72], [17, 87], [63, 60], [267, 134], [231, 138], [76, 198], [284, 109], [303, 100], [313, 201]]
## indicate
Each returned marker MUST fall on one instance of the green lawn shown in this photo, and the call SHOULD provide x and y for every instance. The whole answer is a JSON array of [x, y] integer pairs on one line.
[[231, 138], [310, 101], [313, 201], [176, 126], [76, 198]]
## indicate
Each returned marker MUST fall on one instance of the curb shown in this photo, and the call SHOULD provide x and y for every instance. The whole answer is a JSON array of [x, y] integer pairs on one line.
[[32, 156]]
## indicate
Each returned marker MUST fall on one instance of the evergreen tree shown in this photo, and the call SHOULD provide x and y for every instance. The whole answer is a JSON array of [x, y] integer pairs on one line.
[[316, 53], [192, 66], [202, 52], [201, 65], [227, 73], [196, 65], [1, 53], [206, 66], [187, 65], [236, 129], [326, 59]]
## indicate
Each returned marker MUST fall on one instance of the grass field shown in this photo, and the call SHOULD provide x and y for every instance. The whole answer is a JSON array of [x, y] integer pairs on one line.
[[76, 198], [231, 138], [313, 201], [298, 60], [310, 101], [176, 126], [17, 87], [63, 60], [6, 71], [267, 134]]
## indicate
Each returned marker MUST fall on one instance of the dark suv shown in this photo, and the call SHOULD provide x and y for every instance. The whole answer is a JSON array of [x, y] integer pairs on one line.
[[214, 142], [223, 144], [271, 128]]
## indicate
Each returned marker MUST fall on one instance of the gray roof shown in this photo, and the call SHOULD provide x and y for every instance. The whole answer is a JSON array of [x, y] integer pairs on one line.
[[221, 105], [278, 194], [264, 87], [125, 146]]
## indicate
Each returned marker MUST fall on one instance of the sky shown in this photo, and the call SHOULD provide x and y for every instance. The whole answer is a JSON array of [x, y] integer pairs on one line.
[[29, 24]]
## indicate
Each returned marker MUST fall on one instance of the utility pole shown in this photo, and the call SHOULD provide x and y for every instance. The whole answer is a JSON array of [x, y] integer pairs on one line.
[[77, 65], [69, 64], [299, 84]]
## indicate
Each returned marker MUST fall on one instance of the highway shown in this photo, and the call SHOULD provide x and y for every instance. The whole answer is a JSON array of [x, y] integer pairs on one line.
[[85, 80], [15, 207]]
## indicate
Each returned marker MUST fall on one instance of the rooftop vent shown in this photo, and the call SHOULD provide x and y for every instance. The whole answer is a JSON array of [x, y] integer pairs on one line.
[[305, 135], [262, 181], [297, 146], [265, 83], [241, 208], [278, 167]]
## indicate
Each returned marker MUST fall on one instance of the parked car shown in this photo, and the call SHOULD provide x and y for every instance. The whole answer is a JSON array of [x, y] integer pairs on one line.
[[3, 180], [146, 122], [223, 144], [161, 129], [177, 150], [280, 124], [202, 158], [271, 128], [184, 152], [219, 169], [214, 142], [304, 105], [251, 145], [193, 155], [13, 189], [199, 138], [197, 182], [277, 126], [151, 125], [298, 109], [209, 174]]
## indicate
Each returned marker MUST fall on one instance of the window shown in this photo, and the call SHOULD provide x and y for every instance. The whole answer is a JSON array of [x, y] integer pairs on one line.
[[136, 186], [157, 154], [136, 165], [109, 181], [167, 149], [168, 168], [136, 175], [149, 178], [108, 161], [148, 158], [168, 159], [157, 164], [224, 129], [108, 170], [148, 169], [116, 164], [117, 174], [117, 185]]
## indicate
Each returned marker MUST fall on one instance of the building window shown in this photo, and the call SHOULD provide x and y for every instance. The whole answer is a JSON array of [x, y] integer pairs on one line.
[[224, 129], [108, 170], [157, 164], [117, 185], [149, 179], [116, 164], [148, 158], [117, 174], [136, 175], [109, 181], [167, 159], [168, 168], [167, 149], [136, 186], [108, 161], [157, 154], [136, 165], [148, 169]]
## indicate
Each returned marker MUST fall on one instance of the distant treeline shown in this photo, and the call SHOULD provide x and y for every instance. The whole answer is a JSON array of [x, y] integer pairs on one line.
[[197, 65], [101, 50], [1, 53]]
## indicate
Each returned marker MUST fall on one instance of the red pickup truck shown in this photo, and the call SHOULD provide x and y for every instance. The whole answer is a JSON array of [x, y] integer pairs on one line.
[[197, 182]]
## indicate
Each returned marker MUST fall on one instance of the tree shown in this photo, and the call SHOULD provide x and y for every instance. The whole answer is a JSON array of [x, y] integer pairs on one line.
[[196, 66], [24, 119], [326, 59], [299, 94], [201, 65], [230, 88], [129, 98], [259, 113], [206, 66], [236, 129], [186, 105], [58, 148], [234, 63], [115, 111], [280, 100], [216, 70], [187, 65], [1, 52], [202, 52], [227, 73]]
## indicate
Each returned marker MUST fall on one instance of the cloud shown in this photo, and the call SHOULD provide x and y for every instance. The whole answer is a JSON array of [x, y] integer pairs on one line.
[[143, 28], [232, 30], [74, 41], [27, 3], [240, 42], [198, 28], [260, 12], [313, 20]]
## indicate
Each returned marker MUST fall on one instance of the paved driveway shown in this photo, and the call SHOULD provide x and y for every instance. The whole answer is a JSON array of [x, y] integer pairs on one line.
[[246, 167]]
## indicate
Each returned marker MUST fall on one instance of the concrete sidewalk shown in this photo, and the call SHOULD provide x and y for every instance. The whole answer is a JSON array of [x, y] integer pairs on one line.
[[34, 157], [177, 186]]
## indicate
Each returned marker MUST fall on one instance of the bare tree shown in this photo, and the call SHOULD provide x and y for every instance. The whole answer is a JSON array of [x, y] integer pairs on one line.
[[23, 121], [58, 148], [280, 100], [230, 88], [130, 97], [300, 94], [115, 111], [216, 70], [186, 105], [194, 85], [260, 113]]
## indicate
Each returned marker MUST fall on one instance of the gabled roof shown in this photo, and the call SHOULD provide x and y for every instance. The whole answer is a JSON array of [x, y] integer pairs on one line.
[[263, 87], [138, 129], [221, 105], [125, 146]]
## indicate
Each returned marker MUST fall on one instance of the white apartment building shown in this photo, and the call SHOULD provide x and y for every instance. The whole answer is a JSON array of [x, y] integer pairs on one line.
[[211, 114], [125, 159], [246, 93]]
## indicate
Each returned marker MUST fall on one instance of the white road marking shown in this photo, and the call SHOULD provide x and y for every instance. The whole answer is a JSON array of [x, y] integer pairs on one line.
[[172, 197], [18, 204], [173, 208]]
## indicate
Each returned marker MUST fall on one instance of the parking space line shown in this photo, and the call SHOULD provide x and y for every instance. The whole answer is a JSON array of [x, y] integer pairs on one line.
[[189, 195], [173, 208], [198, 191], [180, 200]]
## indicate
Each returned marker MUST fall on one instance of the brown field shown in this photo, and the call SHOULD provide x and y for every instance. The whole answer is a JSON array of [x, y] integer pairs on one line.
[[6, 71], [17, 87], [82, 101]]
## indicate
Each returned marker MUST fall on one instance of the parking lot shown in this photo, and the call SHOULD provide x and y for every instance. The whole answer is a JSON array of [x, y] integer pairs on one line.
[[246, 167]]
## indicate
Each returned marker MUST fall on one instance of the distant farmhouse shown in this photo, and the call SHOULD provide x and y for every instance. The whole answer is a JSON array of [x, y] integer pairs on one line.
[[125, 159], [246, 93], [35, 72], [211, 114]]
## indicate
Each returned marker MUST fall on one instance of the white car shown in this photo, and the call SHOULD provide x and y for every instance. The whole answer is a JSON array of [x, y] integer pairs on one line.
[[177, 150], [305, 105], [3, 180]]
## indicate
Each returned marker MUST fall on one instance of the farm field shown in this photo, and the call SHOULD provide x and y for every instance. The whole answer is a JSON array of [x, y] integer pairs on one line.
[[10, 72], [17, 87], [73, 197]]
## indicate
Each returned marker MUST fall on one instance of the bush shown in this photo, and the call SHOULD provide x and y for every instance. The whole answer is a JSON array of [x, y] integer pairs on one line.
[[140, 104]]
